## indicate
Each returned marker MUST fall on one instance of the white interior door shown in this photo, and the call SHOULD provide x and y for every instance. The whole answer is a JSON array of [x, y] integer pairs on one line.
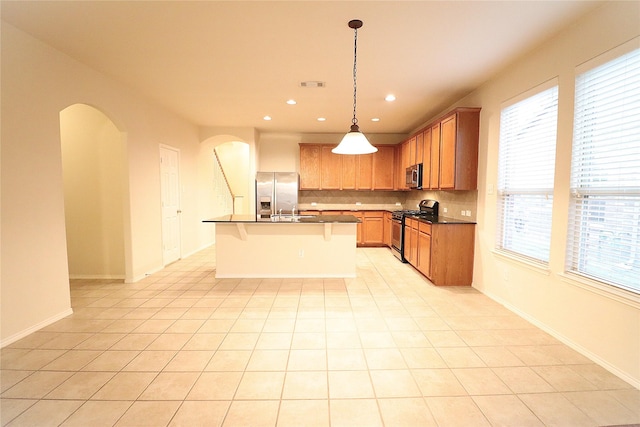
[[170, 190]]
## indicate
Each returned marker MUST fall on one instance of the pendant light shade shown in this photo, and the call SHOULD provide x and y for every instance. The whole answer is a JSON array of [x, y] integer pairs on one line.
[[354, 142]]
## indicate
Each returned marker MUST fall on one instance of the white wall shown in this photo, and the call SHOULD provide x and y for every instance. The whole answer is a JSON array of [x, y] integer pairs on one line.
[[93, 165], [280, 152], [39, 82], [605, 328]]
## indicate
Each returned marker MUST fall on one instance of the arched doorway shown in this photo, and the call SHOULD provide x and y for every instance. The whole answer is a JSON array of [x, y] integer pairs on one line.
[[95, 187], [227, 183], [233, 158]]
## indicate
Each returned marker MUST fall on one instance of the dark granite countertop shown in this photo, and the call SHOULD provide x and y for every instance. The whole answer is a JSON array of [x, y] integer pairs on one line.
[[286, 219], [441, 220]]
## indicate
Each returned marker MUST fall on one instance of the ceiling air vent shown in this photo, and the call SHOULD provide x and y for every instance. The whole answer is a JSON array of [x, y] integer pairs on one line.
[[312, 84]]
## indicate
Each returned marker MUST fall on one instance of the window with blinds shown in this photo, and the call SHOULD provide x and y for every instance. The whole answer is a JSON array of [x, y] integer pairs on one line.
[[604, 223], [528, 128]]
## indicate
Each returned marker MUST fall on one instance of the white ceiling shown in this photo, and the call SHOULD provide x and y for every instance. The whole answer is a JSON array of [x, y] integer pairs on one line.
[[229, 63]]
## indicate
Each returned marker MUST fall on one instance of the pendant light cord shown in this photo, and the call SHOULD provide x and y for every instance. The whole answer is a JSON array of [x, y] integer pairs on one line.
[[354, 121]]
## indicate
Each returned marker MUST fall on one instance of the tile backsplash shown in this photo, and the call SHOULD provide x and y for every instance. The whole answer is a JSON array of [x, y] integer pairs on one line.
[[455, 202], [346, 197]]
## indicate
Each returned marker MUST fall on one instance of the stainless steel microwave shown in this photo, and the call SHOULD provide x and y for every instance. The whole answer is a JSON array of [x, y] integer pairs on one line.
[[414, 176]]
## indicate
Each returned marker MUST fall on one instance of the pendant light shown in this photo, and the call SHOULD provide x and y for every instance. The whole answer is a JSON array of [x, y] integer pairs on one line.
[[354, 142]]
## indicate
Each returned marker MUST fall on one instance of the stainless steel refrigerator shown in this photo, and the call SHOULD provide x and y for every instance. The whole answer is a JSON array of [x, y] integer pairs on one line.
[[276, 193]]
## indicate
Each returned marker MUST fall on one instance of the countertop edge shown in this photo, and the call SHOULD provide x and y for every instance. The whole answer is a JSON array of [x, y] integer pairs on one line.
[[315, 219], [442, 220]]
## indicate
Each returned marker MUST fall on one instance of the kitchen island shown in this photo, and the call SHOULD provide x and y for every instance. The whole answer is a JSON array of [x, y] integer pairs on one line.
[[286, 246]]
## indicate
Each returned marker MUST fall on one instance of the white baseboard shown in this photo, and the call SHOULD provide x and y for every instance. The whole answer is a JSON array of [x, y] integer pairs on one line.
[[96, 276], [208, 245], [285, 276], [565, 340], [15, 337], [160, 268]]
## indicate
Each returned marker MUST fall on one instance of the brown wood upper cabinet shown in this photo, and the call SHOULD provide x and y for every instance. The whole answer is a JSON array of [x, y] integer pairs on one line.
[[320, 169], [434, 164], [363, 172], [448, 151], [331, 169], [426, 158], [383, 167], [310, 164], [456, 166]]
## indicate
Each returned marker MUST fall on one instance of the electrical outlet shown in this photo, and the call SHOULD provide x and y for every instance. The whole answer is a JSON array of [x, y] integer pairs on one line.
[[358, 203], [444, 210], [314, 204], [468, 213], [463, 213]]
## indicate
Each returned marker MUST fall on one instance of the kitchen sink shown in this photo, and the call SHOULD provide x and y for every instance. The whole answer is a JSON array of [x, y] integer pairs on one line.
[[289, 218]]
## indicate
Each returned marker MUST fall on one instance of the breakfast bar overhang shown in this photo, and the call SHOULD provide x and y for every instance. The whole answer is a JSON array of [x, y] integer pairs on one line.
[[310, 246]]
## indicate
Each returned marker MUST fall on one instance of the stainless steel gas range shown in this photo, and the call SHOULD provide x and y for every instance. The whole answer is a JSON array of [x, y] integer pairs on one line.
[[427, 209]]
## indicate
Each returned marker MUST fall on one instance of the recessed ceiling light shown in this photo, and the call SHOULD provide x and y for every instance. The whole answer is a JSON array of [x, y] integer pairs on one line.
[[312, 83], [321, 119], [267, 117], [390, 98], [292, 102], [375, 119]]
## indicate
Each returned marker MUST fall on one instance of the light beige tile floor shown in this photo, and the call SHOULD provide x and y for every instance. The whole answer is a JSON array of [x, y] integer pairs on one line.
[[181, 348]]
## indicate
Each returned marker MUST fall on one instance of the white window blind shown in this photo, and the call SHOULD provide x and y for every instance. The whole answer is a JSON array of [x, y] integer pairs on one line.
[[526, 170], [604, 222]]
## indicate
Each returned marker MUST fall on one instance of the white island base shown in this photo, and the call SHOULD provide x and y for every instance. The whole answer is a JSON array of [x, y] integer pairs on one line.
[[285, 250]]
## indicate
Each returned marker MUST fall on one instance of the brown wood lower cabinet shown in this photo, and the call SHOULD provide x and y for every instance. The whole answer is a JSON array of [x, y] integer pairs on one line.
[[387, 229], [371, 227], [373, 230], [360, 216], [411, 241], [443, 252], [424, 249]]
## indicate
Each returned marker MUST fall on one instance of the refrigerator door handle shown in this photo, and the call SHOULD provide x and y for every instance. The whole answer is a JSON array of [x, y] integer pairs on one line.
[[275, 196]]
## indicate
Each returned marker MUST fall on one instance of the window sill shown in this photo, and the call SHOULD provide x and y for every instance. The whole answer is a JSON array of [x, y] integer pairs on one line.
[[526, 262], [608, 291]]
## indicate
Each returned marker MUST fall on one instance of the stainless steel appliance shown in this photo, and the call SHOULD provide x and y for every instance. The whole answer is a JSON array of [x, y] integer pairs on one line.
[[414, 176], [276, 194], [426, 209]]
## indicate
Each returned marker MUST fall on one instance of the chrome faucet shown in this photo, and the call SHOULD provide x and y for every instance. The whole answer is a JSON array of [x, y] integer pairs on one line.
[[280, 213], [293, 210]]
